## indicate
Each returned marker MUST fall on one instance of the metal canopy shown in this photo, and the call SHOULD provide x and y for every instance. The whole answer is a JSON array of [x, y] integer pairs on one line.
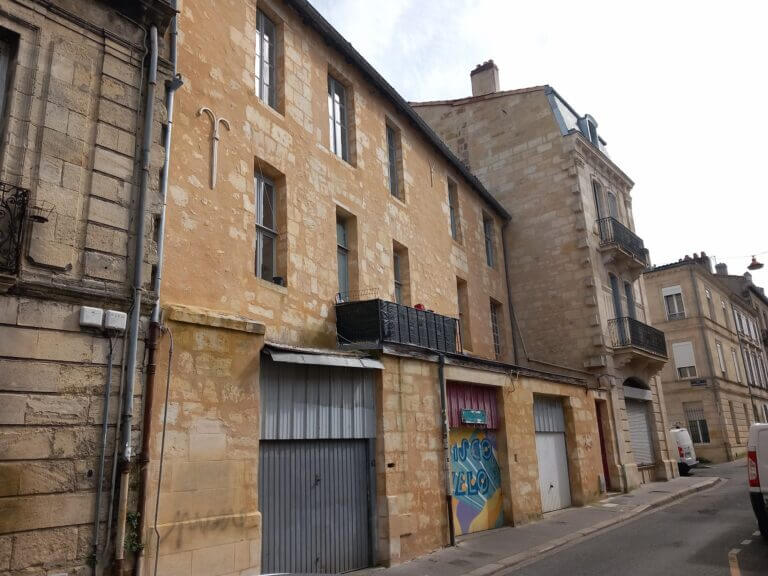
[[325, 360]]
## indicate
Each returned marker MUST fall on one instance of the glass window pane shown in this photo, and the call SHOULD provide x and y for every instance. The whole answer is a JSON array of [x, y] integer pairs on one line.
[[267, 257], [343, 271], [341, 233], [267, 207]]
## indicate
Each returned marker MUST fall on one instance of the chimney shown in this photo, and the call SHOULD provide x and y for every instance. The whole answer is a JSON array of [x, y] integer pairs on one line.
[[485, 78], [722, 269], [706, 261]]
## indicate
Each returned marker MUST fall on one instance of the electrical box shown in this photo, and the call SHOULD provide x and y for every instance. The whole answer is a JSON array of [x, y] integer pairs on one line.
[[91, 317], [115, 320]]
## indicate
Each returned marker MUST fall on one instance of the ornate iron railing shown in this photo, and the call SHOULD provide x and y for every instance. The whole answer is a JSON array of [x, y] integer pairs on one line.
[[630, 332], [372, 323], [614, 232], [13, 208]]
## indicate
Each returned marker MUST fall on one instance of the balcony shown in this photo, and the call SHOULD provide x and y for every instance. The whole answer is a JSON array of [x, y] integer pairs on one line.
[[13, 208], [373, 323], [622, 245], [634, 341]]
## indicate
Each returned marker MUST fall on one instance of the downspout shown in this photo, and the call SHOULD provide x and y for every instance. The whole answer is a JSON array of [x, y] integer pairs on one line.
[[513, 324], [710, 363], [154, 326], [446, 446], [133, 333]]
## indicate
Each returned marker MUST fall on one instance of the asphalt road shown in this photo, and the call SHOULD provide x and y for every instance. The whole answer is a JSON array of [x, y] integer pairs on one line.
[[709, 533]]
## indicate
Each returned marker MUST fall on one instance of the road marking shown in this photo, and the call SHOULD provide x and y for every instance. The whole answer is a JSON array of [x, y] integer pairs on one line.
[[746, 542], [733, 562]]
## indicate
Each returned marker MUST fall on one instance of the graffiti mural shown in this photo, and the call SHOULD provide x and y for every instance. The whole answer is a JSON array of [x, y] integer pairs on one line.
[[476, 480]]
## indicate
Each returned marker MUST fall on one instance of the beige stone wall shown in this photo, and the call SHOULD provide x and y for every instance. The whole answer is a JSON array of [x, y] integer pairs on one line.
[[291, 146], [70, 133], [208, 518]]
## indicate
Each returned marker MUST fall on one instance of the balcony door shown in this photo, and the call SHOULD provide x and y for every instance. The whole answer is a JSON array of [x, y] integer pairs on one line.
[[621, 328]]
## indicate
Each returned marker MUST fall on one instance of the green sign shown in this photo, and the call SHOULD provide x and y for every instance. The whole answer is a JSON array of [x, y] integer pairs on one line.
[[473, 417]]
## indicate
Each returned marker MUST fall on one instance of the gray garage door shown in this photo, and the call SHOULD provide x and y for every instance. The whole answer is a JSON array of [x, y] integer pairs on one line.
[[316, 472], [640, 431]]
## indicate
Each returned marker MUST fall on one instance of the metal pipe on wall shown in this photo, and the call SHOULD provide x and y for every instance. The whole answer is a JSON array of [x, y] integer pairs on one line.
[[133, 332], [446, 446], [104, 428]]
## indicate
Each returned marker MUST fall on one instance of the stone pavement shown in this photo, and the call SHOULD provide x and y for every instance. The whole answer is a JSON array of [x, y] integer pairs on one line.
[[489, 552]]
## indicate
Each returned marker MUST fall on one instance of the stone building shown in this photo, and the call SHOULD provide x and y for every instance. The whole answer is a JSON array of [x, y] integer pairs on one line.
[[337, 338], [716, 382], [575, 261], [72, 104]]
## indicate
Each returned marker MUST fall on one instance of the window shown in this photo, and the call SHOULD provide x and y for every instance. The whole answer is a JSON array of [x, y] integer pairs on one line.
[[266, 229], [597, 190], [762, 371], [5, 62], [463, 304], [765, 412], [748, 367], [613, 206], [721, 358], [697, 423], [394, 154], [734, 424], [673, 302], [490, 257], [736, 364], [710, 304], [615, 292], [747, 419], [337, 118], [265, 59], [630, 296], [725, 315], [498, 347], [684, 359], [401, 274], [342, 257], [453, 207]]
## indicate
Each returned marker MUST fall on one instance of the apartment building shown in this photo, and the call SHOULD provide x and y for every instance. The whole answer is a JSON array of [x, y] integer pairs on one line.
[[575, 260], [337, 339], [716, 383], [74, 109]]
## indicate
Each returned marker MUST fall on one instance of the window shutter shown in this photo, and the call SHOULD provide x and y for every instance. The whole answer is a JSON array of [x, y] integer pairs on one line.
[[683, 354]]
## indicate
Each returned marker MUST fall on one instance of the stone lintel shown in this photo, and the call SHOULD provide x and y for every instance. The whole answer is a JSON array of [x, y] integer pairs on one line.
[[206, 317]]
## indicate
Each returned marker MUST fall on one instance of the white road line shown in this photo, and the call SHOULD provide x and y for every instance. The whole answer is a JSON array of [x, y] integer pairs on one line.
[[746, 542], [733, 562]]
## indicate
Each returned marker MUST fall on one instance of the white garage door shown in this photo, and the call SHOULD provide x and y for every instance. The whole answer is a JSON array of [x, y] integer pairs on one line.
[[640, 431], [554, 483]]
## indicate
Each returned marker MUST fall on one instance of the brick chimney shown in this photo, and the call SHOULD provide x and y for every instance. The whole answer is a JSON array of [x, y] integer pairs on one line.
[[722, 269], [485, 78]]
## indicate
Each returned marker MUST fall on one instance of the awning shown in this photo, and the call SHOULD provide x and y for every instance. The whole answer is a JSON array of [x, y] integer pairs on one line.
[[322, 359]]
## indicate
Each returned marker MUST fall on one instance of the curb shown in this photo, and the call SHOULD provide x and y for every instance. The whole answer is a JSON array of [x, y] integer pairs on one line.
[[521, 557]]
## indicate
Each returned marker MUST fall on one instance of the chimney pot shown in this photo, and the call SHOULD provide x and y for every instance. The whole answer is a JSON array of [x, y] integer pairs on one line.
[[485, 78], [722, 269]]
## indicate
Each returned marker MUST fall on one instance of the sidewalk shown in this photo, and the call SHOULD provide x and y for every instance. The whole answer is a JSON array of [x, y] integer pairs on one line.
[[489, 552]]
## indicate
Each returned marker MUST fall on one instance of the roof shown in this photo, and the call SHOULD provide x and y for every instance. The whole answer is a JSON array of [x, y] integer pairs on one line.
[[334, 38]]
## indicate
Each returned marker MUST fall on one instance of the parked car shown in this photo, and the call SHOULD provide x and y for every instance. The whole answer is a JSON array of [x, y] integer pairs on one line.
[[686, 455], [757, 473]]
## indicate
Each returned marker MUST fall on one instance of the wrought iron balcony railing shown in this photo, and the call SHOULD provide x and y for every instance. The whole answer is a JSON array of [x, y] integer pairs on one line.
[[372, 323], [628, 332], [613, 232], [13, 207]]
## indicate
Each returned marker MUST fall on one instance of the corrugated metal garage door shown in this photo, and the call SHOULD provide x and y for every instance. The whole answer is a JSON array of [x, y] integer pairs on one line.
[[316, 467], [314, 505], [640, 431], [554, 483]]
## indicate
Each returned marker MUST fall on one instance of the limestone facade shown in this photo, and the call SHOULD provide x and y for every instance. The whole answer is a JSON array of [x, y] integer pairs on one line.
[[575, 261], [221, 313], [719, 322], [73, 89]]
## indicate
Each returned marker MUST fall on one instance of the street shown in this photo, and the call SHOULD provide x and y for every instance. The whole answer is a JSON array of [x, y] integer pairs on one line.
[[709, 533]]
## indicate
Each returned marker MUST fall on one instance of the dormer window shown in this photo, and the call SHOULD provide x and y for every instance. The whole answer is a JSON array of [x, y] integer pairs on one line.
[[592, 130]]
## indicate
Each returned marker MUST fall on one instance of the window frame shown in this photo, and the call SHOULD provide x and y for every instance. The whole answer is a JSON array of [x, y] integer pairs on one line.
[[262, 230], [342, 255], [721, 358], [263, 23], [394, 159], [629, 294], [735, 357], [338, 90], [694, 417], [685, 371], [454, 210], [496, 330], [677, 299], [488, 237]]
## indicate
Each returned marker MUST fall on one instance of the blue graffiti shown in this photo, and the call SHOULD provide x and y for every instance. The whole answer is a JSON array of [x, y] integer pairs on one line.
[[476, 483], [475, 450]]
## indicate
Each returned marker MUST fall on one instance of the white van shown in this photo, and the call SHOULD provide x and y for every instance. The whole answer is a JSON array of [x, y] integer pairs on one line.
[[686, 455], [757, 474]]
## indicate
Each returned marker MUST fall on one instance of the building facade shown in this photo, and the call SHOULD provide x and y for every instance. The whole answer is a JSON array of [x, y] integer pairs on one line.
[[576, 262], [73, 90], [336, 327], [716, 383]]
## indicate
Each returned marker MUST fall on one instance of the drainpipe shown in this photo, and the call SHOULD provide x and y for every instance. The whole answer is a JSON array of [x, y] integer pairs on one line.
[[509, 291], [710, 363], [133, 333], [154, 327], [446, 446]]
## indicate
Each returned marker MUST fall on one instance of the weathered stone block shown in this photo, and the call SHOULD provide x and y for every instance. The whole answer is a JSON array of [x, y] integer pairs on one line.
[[12, 407], [108, 213], [47, 477], [105, 266], [26, 443], [113, 164], [65, 147], [44, 547]]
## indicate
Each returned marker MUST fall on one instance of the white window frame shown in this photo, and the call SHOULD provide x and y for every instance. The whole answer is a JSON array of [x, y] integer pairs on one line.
[[488, 233], [735, 356], [685, 360], [264, 231], [338, 118], [721, 358], [673, 295], [265, 59]]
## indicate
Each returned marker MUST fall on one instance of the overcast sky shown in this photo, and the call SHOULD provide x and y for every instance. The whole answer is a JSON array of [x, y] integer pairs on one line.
[[679, 90]]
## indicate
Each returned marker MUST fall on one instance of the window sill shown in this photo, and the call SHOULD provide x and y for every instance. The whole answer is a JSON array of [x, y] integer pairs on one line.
[[271, 285], [398, 201], [273, 111]]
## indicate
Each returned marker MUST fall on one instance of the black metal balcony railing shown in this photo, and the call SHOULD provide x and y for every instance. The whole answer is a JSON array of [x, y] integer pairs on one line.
[[627, 332], [13, 207], [614, 232], [375, 322]]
